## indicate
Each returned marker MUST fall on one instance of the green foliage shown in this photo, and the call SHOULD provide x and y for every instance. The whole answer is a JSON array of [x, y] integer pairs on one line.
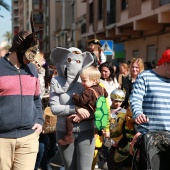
[[4, 5], [8, 36]]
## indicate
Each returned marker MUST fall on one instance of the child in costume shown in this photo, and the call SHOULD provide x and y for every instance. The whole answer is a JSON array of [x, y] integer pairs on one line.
[[90, 78], [122, 132], [117, 117]]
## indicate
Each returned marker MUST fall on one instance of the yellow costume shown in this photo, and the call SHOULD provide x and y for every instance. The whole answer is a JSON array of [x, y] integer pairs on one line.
[[116, 131], [122, 152]]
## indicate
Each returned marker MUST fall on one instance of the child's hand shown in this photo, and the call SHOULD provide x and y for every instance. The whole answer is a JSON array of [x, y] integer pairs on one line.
[[84, 113], [76, 118], [106, 134]]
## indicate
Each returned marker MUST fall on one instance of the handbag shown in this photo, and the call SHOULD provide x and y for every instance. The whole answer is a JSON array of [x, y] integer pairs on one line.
[[50, 121]]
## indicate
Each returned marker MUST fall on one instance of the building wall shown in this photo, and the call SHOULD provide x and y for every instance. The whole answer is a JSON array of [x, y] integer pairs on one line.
[[161, 43], [155, 4], [118, 10], [52, 25], [134, 8], [140, 24], [80, 8]]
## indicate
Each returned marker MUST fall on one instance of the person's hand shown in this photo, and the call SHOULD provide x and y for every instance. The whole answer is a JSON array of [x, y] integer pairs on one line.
[[37, 127], [115, 145], [141, 119], [84, 113], [76, 118], [133, 142], [106, 133]]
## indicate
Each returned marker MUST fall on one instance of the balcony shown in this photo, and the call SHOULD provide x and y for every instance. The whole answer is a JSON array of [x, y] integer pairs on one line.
[[16, 24]]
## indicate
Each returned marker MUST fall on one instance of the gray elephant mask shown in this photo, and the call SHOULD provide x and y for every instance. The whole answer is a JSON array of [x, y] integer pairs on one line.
[[69, 65]]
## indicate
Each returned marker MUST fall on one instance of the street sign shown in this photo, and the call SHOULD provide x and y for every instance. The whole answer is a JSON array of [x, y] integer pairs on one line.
[[107, 46]]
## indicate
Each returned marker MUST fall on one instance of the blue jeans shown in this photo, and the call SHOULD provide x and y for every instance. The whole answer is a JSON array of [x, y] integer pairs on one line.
[[50, 148], [40, 153]]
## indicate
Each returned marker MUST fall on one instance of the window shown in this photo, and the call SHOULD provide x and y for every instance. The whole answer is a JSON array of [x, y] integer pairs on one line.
[[111, 12], [72, 12], [36, 4], [151, 53], [83, 28], [100, 12], [164, 2], [135, 53], [91, 13], [124, 4]]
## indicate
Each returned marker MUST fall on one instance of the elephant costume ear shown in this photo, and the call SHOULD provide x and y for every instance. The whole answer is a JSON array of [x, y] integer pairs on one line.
[[58, 57], [88, 59]]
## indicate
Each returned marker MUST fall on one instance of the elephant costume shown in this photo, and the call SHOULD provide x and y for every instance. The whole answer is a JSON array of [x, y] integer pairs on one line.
[[77, 155]]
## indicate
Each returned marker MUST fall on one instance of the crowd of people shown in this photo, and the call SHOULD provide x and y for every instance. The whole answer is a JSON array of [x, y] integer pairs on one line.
[[136, 99]]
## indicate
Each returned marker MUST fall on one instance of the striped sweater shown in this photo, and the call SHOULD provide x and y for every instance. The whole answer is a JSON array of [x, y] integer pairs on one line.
[[20, 103], [151, 96]]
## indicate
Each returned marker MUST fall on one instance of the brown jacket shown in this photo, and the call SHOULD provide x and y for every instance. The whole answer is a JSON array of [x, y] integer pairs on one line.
[[88, 97]]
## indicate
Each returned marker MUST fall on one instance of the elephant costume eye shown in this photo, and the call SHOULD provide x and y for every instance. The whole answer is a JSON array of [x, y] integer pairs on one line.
[[78, 61], [69, 60]]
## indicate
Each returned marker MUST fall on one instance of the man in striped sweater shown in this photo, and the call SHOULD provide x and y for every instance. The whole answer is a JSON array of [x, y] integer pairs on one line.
[[150, 103], [150, 98], [20, 104]]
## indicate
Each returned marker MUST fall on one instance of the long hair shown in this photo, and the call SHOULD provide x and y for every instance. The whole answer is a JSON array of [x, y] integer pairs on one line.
[[125, 66], [140, 62], [110, 66]]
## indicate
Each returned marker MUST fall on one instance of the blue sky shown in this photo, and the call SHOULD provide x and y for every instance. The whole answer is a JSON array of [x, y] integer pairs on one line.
[[5, 23]]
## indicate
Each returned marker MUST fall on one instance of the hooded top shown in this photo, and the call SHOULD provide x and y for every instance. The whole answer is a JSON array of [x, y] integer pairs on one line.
[[20, 99]]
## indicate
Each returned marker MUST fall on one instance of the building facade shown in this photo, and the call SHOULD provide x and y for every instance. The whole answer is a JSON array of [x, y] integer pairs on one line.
[[141, 26]]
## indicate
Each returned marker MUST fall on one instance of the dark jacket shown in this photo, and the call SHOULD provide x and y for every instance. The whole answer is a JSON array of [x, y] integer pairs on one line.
[[88, 99], [20, 103], [127, 86]]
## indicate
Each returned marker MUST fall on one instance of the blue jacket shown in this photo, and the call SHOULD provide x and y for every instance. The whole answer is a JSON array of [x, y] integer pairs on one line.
[[20, 103]]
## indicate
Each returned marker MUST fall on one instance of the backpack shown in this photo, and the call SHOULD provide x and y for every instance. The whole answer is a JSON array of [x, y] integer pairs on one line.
[[101, 111], [152, 151]]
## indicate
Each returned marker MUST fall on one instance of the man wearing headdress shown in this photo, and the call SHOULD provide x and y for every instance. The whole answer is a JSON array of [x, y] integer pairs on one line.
[[20, 104]]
